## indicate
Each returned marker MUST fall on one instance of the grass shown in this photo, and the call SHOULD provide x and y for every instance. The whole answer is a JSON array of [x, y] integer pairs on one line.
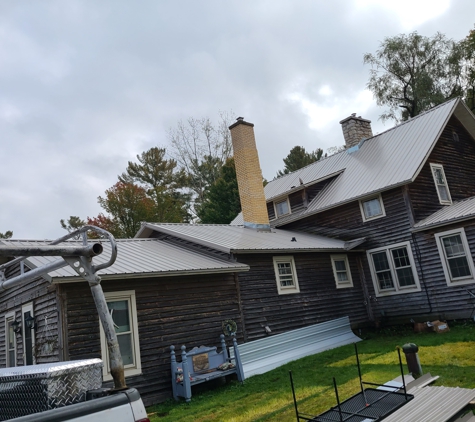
[[268, 397]]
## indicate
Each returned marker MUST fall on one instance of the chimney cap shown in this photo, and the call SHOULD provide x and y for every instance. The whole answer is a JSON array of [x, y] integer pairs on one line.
[[353, 117], [240, 121]]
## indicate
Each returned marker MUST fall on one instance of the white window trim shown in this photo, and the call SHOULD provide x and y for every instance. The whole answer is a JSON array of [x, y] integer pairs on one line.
[[284, 290], [278, 201], [24, 309], [129, 370], [10, 316], [462, 280], [441, 167], [369, 198], [341, 284], [397, 289]]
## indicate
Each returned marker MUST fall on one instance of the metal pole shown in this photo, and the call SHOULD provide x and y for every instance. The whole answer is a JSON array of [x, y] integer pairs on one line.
[[115, 358], [293, 394], [402, 372], [359, 373], [50, 250], [30, 275], [337, 399]]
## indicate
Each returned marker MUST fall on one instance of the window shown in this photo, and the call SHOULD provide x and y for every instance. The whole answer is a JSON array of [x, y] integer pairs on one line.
[[123, 310], [456, 258], [372, 208], [10, 340], [28, 335], [341, 271], [282, 207], [441, 184], [393, 270], [286, 275]]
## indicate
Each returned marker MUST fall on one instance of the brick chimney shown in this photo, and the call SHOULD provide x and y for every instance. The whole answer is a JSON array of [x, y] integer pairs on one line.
[[355, 129], [249, 175]]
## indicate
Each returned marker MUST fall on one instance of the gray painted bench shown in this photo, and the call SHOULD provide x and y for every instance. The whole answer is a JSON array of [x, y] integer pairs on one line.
[[202, 364], [263, 355]]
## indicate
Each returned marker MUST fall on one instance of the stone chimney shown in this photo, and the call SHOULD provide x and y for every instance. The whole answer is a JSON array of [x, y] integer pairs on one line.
[[249, 175], [355, 129]]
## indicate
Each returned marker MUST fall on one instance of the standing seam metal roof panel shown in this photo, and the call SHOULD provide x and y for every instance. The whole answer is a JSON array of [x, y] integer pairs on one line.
[[142, 257], [229, 238]]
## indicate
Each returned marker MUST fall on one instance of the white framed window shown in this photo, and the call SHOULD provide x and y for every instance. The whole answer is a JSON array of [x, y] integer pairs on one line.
[[372, 208], [341, 271], [122, 307], [393, 270], [456, 257], [286, 275], [10, 340], [28, 333], [441, 184], [282, 207]]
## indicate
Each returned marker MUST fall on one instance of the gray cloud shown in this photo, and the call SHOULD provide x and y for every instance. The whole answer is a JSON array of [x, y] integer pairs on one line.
[[88, 85]]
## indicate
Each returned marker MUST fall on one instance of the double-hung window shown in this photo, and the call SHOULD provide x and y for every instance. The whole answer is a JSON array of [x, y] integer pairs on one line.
[[456, 257], [441, 184], [286, 275], [282, 207], [393, 269], [341, 271], [122, 308], [372, 208], [10, 340]]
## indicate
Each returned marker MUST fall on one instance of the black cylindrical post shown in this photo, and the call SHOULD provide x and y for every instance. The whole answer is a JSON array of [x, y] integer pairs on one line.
[[412, 359]]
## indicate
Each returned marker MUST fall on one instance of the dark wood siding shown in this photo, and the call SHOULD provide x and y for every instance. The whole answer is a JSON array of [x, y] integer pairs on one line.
[[44, 300], [319, 300], [458, 158], [171, 311]]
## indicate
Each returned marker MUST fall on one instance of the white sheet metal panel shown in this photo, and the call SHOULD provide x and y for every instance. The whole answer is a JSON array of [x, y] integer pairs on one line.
[[142, 257], [458, 211], [229, 238], [263, 355], [433, 404]]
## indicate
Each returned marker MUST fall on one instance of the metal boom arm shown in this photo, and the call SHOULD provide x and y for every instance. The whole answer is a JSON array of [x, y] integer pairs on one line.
[[79, 258]]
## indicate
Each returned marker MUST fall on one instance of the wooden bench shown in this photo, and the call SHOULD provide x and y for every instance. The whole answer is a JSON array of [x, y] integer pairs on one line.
[[265, 354], [203, 364]]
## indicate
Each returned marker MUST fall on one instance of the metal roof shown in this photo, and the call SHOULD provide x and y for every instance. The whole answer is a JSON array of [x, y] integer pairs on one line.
[[141, 258], [433, 404], [231, 238], [389, 159], [458, 211]]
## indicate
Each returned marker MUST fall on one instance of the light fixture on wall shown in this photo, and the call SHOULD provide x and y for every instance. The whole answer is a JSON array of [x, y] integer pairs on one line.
[[16, 327], [30, 322]]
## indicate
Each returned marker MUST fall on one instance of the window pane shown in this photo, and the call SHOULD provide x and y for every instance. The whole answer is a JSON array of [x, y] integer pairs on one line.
[[405, 277], [285, 274], [372, 208], [385, 280], [119, 311], [380, 261], [282, 208], [340, 265], [342, 276], [453, 246], [459, 267], [439, 177], [401, 259], [126, 350], [443, 193]]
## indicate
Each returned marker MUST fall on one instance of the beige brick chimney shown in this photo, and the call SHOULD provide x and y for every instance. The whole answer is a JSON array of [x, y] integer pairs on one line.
[[249, 175], [355, 129]]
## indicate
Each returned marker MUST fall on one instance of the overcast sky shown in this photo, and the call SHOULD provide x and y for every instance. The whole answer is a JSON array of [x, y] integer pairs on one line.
[[87, 85]]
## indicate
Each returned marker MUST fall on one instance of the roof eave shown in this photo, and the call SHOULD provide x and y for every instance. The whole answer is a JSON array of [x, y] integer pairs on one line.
[[442, 223], [161, 274]]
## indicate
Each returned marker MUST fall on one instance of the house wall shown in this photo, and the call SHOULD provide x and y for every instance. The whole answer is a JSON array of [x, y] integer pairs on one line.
[[48, 341], [458, 158], [171, 311], [318, 300]]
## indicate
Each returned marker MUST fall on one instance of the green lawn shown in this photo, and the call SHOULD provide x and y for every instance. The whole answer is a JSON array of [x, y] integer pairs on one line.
[[268, 397]]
